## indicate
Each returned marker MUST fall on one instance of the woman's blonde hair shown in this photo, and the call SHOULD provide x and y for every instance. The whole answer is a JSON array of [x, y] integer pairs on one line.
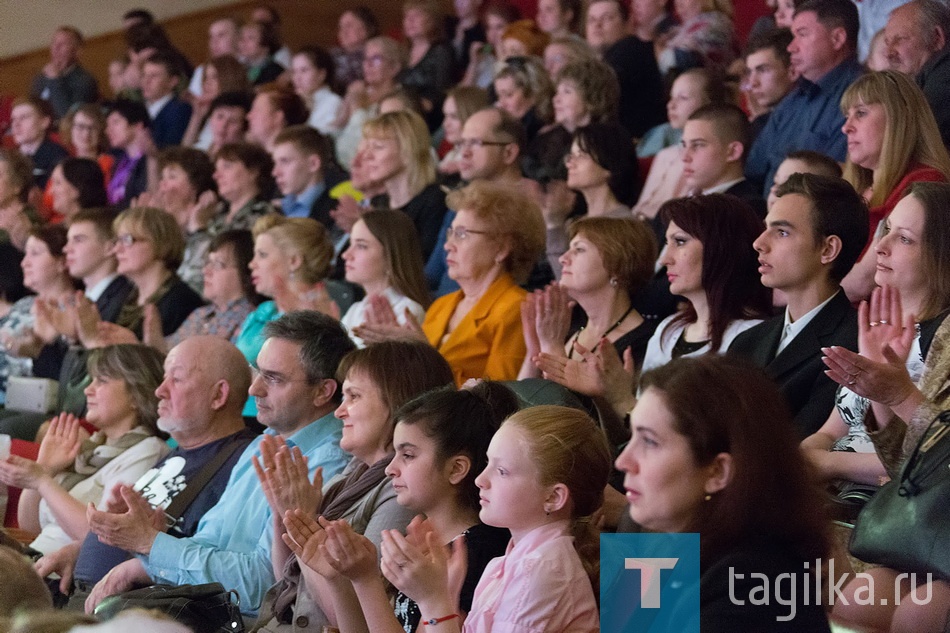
[[911, 135], [568, 447], [159, 227], [511, 214], [529, 75], [304, 237], [411, 134]]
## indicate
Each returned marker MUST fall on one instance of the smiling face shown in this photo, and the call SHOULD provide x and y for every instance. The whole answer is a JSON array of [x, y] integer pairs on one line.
[[900, 252], [865, 126], [664, 485], [789, 255], [365, 258], [41, 270], [367, 432], [583, 268], [420, 479], [683, 259], [270, 267]]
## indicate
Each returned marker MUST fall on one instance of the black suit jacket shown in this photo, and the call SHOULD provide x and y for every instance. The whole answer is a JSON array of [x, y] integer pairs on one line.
[[748, 192], [798, 368], [112, 299]]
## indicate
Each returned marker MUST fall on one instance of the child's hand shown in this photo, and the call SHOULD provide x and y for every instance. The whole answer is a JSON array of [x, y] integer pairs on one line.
[[422, 573]]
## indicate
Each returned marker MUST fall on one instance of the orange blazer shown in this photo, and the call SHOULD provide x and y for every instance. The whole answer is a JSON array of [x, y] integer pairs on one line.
[[488, 342]]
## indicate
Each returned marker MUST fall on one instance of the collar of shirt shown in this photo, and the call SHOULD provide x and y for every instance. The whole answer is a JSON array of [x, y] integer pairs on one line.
[[299, 206], [96, 291], [156, 106], [534, 539], [721, 188], [322, 430], [794, 328], [842, 72]]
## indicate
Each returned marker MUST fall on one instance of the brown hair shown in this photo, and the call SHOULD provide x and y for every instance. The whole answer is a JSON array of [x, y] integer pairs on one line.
[[290, 104], [511, 213], [934, 197], [197, 166], [529, 75], [627, 248], [309, 141], [139, 367], [597, 83], [253, 157], [94, 112], [568, 447], [232, 75], [468, 100], [20, 171], [718, 404], [401, 251], [159, 227], [300, 236]]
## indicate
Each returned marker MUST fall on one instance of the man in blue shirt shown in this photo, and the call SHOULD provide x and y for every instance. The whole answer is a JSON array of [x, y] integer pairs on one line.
[[296, 395], [823, 48], [301, 155]]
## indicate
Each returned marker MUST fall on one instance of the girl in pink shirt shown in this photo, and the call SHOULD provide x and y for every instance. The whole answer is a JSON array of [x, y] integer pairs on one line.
[[547, 469]]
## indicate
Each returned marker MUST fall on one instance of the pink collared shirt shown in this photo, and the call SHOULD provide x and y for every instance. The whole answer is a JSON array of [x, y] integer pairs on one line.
[[538, 586]]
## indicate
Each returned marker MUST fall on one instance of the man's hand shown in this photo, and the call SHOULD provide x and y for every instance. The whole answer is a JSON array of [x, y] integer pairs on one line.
[[61, 562], [133, 530], [121, 578]]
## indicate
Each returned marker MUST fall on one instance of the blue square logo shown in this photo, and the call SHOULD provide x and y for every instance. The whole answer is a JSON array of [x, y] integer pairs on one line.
[[649, 583]]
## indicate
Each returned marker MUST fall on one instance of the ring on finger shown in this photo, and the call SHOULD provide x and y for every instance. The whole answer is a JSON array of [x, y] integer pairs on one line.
[[874, 323], [884, 322]]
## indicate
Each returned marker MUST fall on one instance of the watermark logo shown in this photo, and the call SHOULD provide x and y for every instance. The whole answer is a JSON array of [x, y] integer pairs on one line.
[[649, 583]]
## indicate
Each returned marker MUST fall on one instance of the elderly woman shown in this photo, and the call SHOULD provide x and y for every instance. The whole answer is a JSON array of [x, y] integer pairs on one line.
[[72, 472], [493, 243]]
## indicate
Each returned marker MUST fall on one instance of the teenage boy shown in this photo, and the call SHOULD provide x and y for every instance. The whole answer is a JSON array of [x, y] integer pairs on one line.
[[170, 115], [89, 257], [715, 140], [301, 154], [813, 236], [769, 74]]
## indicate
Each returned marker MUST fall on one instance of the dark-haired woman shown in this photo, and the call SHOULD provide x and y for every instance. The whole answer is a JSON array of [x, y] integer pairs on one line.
[[76, 184]]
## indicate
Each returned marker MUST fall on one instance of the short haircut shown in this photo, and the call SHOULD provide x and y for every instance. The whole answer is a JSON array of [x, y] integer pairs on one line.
[[627, 247], [158, 226], [42, 107], [598, 85], [253, 157], [101, 219], [775, 40], [817, 162], [610, 147], [835, 14], [307, 140], [197, 166], [509, 128], [86, 176], [75, 33], [527, 32], [166, 61], [836, 209], [729, 124], [53, 235], [544, 159], [321, 60], [232, 99], [132, 111], [323, 343], [19, 171], [139, 367], [143, 16]]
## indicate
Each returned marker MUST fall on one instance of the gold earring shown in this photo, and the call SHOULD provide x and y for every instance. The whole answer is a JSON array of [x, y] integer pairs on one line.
[[707, 497]]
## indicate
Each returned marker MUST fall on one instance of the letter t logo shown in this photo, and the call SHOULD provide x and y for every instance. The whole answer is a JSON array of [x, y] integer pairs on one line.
[[650, 577]]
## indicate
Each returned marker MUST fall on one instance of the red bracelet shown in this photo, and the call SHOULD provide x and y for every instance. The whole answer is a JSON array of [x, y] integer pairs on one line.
[[444, 618]]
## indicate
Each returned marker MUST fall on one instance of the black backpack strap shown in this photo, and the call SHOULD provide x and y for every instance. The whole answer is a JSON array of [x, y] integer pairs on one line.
[[197, 483]]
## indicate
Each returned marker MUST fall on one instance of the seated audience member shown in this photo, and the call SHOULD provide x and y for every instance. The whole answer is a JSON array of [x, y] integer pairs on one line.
[[402, 100], [544, 580], [200, 400], [149, 247], [127, 126], [169, 114], [877, 55], [641, 85], [44, 273], [427, 440], [90, 259], [58, 487], [650, 20], [63, 82], [814, 234], [257, 44], [292, 258], [460, 103], [893, 141], [311, 71], [302, 156], [564, 50], [266, 14], [523, 38], [917, 37], [384, 259], [362, 495], [77, 184], [484, 57], [227, 120], [21, 589], [715, 143], [30, 121], [222, 42], [494, 241], [710, 262], [691, 90], [586, 92], [144, 40], [83, 130], [802, 162], [730, 470], [705, 37], [383, 61], [242, 172], [609, 260], [524, 91], [823, 56], [467, 32], [915, 272], [295, 386], [356, 26], [273, 110], [559, 18], [17, 217], [398, 154], [430, 69], [769, 75], [227, 288], [221, 75]]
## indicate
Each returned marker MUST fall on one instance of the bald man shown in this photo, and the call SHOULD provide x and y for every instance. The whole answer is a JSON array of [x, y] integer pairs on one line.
[[205, 386]]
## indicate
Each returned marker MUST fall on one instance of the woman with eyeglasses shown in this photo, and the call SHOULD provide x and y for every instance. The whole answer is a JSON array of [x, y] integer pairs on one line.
[[493, 243]]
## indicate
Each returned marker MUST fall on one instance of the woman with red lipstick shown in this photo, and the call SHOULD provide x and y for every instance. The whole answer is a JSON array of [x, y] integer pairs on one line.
[[714, 451], [710, 262], [893, 141]]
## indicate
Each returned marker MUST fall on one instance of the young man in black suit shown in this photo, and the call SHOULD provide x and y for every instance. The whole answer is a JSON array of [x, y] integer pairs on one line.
[[170, 115], [89, 257], [814, 233]]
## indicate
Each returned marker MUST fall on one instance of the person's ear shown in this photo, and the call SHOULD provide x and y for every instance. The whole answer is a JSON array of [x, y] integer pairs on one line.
[[719, 472], [294, 262], [510, 153], [219, 394], [323, 392], [939, 39], [839, 38], [830, 249], [314, 164], [558, 498], [734, 151], [458, 468]]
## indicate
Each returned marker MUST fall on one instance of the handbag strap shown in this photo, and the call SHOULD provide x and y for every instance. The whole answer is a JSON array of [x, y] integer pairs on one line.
[[197, 483], [908, 487]]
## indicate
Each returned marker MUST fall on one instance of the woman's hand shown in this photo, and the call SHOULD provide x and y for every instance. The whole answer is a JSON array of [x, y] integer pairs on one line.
[[529, 311], [201, 212], [20, 472], [52, 319], [285, 478], [597, 374], [381, 324], [61, 562], [111, 334], [552, 318], [352, 555], [61, 443], [87, 319], [305, 538], [882, 324]]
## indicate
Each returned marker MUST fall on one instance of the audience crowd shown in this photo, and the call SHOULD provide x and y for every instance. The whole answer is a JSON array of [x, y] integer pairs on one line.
[[383, 333]]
